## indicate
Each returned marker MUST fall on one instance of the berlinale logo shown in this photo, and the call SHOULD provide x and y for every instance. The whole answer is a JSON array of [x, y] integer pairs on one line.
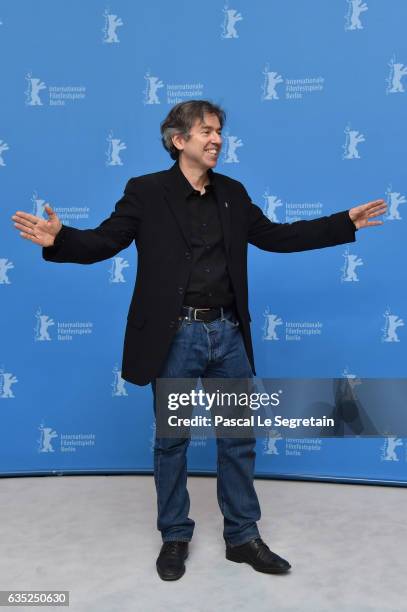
[[231, 144], [394, 199], [271, 80], [349, 269], [389, 448], [46, 435], [352, 139], [7, 379], [392, 323], [397, 72], [112, 22], [355, 10], [115, 146], [116, 270], [231, 18], [5, 265], [3, 147], [153, 84], [32, 94], [118, 388]]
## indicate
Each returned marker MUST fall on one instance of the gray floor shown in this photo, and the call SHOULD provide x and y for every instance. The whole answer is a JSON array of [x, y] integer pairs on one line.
[[96, 536]]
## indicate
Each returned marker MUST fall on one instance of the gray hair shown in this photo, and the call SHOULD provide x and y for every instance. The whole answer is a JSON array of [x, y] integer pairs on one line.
[[182, 117]]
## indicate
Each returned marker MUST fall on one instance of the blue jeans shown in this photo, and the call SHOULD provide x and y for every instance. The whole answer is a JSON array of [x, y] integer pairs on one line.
[[207, 350]]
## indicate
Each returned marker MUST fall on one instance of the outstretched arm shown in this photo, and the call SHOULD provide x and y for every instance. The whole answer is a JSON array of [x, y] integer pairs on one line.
[[332, 230], [63, 243]]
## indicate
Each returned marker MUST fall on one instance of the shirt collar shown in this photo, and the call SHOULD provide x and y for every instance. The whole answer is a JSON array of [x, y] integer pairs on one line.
[[186, 186]]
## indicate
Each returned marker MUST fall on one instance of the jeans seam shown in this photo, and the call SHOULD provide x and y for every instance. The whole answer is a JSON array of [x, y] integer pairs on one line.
[[158, 483], [219, 479]]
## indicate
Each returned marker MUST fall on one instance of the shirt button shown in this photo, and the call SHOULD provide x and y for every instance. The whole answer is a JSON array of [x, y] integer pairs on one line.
[[188, 255], [204, 224], [172, 324], [207, 270], [208, 246], [180, 289]]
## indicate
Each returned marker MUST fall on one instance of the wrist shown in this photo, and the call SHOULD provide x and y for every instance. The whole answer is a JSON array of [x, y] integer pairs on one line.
[[353, 220], [56, 238]]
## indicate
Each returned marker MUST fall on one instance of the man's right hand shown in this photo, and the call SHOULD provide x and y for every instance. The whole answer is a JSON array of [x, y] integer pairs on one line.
[[38, 230]]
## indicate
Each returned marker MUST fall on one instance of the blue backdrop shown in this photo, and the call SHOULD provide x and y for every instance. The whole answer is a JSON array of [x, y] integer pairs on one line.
[[315, 94]]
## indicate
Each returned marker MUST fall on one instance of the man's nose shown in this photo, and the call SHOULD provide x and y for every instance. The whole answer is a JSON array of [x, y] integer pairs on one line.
[[216, 139]]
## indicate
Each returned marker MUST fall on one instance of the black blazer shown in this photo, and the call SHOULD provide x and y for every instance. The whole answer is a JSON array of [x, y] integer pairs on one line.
[[151, 213]]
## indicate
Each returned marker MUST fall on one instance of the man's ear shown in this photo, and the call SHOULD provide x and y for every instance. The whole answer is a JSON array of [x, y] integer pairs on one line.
[[178, 141]]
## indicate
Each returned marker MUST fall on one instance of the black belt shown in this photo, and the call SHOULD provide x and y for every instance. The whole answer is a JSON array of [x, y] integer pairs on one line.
[[205, 314]]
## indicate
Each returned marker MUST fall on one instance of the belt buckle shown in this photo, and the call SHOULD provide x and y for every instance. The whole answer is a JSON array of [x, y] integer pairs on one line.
[[195, 311]]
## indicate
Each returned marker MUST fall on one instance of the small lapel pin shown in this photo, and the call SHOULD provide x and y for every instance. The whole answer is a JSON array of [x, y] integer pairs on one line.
[[226, 204]]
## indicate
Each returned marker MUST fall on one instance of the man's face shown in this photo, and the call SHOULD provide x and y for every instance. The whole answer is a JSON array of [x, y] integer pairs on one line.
[[205, 142]]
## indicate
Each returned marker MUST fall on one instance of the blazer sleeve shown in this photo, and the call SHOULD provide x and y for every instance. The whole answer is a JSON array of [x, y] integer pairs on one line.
[[300, 235], [114, 234]]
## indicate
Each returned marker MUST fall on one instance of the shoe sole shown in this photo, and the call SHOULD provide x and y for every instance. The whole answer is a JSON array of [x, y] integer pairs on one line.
[[167, 578], [230, 557]]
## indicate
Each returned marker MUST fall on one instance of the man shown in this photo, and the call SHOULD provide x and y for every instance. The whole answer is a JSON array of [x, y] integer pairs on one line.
[[189, 315]]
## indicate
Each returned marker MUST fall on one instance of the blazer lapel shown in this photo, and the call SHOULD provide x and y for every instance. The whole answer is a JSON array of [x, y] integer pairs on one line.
[[175, 196], [223, 207]]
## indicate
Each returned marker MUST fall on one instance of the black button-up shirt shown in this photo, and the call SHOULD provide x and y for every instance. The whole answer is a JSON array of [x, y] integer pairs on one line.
[[209, 284]]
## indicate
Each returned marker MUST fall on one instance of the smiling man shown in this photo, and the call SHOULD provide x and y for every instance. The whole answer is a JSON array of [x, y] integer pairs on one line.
[[188, 316]]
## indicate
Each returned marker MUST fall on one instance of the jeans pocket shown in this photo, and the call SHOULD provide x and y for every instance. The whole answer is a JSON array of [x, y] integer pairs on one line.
[[181, 325], [232, 323]]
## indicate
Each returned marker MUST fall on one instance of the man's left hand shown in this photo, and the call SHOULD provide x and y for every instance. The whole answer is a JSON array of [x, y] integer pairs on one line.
[[362, 214]]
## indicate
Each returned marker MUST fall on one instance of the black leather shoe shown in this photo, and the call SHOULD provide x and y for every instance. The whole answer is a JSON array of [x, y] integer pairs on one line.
[[170, 562], [257, 554]]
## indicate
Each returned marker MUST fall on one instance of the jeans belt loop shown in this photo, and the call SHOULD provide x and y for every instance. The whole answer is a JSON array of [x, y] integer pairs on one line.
[[189, 316], [222, 314]]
